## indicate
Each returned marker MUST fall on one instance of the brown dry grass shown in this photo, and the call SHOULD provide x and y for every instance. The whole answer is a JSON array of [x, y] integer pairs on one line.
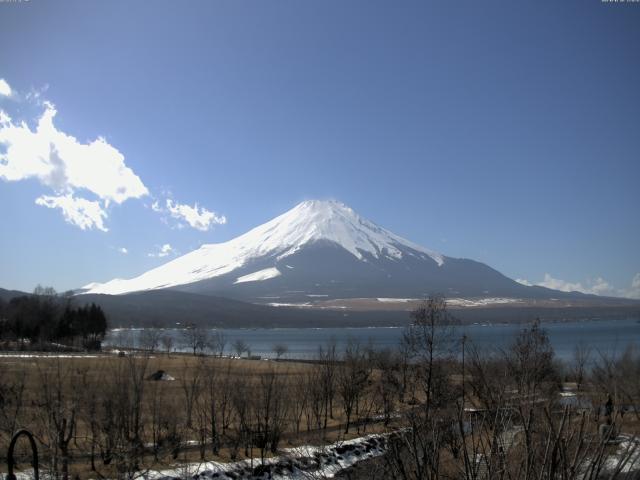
[[95, 371]]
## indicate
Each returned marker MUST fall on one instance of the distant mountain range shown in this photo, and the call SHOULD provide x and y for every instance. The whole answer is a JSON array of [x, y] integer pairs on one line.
[[323, 250]]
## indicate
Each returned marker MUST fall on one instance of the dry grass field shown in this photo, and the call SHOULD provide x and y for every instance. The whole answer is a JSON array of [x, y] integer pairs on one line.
[[106, 395], [515, 414]]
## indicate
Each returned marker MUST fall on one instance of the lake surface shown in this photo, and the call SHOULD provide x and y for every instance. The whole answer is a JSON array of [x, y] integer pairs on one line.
[[606, 336]]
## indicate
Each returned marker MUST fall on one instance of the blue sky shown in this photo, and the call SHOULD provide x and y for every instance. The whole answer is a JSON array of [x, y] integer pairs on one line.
[[505, 132]]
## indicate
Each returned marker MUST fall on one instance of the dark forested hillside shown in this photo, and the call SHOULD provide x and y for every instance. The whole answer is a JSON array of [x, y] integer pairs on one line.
[[45, 319]]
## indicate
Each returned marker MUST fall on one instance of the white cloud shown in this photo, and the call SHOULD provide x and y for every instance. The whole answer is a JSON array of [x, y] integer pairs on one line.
[[163, 251], [35, 94], [123, 250], [5, 119], [67, 166], [5, 89], [558, 284], [197, 217], [80, 212], [599, 286], [62, 163], [595, 286], [634, 290]]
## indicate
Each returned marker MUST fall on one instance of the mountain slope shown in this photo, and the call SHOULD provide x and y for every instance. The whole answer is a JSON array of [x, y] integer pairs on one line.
[[322, 248], [7, 295]]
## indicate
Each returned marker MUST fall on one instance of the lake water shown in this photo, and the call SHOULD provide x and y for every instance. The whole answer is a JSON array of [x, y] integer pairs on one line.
[[606, 336]]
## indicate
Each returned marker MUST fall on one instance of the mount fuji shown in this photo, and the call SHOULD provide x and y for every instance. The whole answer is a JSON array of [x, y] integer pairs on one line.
[[322, 250]]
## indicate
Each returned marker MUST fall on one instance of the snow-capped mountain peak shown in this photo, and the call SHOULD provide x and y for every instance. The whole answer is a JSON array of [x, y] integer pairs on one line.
[[307, 223], [333, 221]]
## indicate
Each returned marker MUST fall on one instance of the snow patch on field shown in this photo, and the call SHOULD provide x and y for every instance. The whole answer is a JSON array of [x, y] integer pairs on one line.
[[298, 305], [458, 302], [306, 462], [480, 302], [300, 463], [627, 457], [397, 300]]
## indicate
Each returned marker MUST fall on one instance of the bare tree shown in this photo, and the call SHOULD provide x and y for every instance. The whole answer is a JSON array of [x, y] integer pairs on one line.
[[327, 359], [195, 338], [12, 392], [489, 378], [388, 385], [150, 339], [415, 452], [280, 349], [242, 402], [618, 376], [299, 403], [167, 343], [59, 412], [240, 346], [90, 401], [122, 414], [581, 357], [210, 405], [352, 379], [530, 361], [430, 340], [218, 342], [191, 388], [269, 412], [316, 398]]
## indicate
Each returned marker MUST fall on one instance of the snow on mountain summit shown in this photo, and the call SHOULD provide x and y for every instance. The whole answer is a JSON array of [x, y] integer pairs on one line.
[[333, 221], [308, 222]]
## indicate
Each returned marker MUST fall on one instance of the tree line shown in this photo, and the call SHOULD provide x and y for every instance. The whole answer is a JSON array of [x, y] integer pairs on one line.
[[47, 320]]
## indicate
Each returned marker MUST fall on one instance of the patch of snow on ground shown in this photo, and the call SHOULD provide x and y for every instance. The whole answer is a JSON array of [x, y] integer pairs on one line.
[[300, 305], [627, 457], [480, 302], [306, 462], [397, 300]]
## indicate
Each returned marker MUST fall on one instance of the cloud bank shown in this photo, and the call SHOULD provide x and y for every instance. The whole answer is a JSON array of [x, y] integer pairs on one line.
[[634, 290], [595, 286]]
